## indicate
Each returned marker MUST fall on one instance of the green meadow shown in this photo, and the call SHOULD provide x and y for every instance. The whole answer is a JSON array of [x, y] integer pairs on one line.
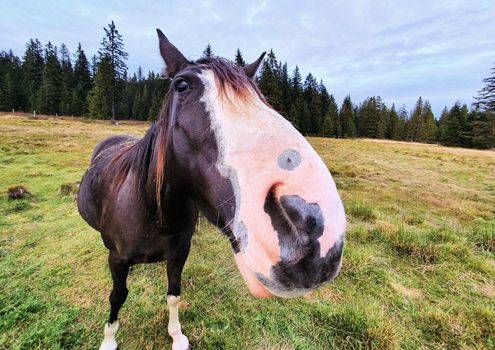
[[418, 269]]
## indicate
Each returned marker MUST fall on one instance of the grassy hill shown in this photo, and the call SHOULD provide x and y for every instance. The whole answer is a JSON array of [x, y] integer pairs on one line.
[[418, 271]]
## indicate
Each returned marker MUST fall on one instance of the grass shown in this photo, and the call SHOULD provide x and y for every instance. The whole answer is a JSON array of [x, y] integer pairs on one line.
[[418, 271]]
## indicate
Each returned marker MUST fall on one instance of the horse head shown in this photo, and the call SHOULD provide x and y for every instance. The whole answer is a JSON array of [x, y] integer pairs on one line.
[[252, 174]]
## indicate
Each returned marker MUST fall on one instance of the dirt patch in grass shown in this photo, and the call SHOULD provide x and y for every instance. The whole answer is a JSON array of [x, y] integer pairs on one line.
[[484, 238], [70, 189], [406, 291], [486, 289]]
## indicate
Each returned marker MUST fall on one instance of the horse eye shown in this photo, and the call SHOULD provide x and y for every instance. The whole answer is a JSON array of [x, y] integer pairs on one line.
[[181, 86]]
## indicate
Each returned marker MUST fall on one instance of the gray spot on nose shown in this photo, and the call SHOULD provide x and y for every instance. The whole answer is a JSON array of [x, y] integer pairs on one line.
[[242, 236], [289, 159]]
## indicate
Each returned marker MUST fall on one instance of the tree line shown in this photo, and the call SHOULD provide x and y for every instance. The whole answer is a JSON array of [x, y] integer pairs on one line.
[[49, 80], [309, 106]]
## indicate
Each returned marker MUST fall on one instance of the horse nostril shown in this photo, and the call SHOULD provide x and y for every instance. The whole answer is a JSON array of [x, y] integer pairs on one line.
[[306, 217], [291, 214], [281, 217], [298, 224]]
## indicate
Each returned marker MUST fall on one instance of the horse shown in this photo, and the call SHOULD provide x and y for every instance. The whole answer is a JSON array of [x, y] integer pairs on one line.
[[217, 148]]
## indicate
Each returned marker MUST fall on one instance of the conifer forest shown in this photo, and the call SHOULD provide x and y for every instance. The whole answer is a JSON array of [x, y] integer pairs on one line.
[[50, 80]]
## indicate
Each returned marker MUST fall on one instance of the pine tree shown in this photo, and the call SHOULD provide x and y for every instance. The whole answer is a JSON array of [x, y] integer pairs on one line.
[[82, 78], [327, 129], [415, 124], [161, 86], [485, 101], [208, 52], [94, 66], [451, 126], [368, 118], [296, 110], [441, 124], [269, 82], [136, 105], [392, 124], [11, 88], [330, 129], [464, 126], [101, 95], [337, 127], [299, 111], [346, 116], [286, 91], [382, 111], [429, 124], [50, 92], [296, 84], [146, 99], [128, 97], [481, 132], [324, 104], [239, 60], [67, 80], [305, 118], [402, 124], [313, 101], [32, 72], [112, 47], [5, 68]]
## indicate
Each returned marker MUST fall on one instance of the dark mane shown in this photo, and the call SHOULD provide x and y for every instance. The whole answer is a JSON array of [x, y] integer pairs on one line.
[[134, 157]]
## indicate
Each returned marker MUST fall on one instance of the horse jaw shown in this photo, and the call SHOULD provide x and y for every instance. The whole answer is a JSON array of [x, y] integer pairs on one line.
[[254, 285]]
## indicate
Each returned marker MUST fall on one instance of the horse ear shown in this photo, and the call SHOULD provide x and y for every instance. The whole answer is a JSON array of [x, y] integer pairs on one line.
[[174, 59], [252, 68]]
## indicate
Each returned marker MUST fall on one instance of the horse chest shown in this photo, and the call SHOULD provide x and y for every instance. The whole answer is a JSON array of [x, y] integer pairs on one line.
[[145, 244]]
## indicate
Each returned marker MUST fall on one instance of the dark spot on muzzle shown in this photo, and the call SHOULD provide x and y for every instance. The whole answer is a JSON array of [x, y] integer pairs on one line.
[[289, 159], [299, 225], [311, 272]]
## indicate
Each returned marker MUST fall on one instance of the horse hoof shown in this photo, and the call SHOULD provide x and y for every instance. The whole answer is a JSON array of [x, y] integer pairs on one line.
[[108, 345], [109, 342], [181, 343]]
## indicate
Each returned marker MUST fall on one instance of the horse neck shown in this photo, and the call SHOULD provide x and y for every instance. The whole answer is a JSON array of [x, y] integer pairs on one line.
[[174, 208]]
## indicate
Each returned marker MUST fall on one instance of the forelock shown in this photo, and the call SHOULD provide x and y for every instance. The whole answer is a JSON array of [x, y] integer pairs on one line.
[[231, 80]]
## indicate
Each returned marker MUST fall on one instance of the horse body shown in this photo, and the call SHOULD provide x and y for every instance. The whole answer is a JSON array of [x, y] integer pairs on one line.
[[127, 219], [218, 148]]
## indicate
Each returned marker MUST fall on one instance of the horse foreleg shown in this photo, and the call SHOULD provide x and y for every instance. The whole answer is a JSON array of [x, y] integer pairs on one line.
[[180, 341], [120, 270], [174, 271]]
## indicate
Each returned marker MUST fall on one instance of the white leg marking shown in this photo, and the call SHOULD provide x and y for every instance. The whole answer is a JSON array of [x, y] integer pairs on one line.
[[109, 342], [180, 341]]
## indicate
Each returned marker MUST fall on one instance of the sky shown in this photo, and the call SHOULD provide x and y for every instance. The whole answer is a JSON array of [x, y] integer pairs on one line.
[[400, 50]]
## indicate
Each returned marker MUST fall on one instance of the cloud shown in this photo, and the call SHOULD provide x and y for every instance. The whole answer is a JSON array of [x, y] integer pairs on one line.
[[440, 50]]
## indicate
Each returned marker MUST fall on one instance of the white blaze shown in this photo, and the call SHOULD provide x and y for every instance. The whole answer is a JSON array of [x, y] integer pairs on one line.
[[250, 137]]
